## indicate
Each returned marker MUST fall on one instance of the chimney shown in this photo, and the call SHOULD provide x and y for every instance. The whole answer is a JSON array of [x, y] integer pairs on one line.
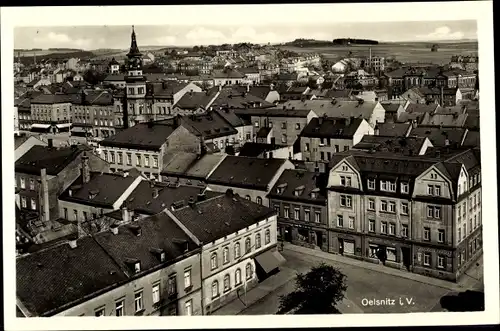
[[72, 243], [44, 192], [50, 143], [125, 214], [85, 168], [320, 120], [230, 193], [114, 229], [414, 124], [447, 142], [248, 88], [125, 173], [191, 202], [201, 196], [377, 130], [155, 192]]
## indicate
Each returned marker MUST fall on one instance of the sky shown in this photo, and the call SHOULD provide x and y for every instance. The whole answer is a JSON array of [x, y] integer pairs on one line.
[[118, 37]]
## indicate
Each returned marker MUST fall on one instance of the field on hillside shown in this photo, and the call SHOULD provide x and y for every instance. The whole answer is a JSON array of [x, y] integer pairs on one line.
[[403, 52], [40, 53]]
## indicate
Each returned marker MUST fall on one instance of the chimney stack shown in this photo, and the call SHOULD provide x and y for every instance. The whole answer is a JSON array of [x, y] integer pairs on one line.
[[50, 143], [85, 169], [114, 229], [125, 214], [377, 130]]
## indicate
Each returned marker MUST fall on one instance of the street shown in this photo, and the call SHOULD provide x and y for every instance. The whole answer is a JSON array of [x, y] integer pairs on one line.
[[401, 295]]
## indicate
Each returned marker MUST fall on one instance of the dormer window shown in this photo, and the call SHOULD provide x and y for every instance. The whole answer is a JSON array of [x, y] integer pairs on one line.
[[281, 188], [405, 187], [162, 256], [371, 184], [388, 186], [137, 267], [345, 181], [298, 191]]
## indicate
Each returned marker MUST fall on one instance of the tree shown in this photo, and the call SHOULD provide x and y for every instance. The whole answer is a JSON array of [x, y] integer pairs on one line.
[[317, 292], [94, 77]]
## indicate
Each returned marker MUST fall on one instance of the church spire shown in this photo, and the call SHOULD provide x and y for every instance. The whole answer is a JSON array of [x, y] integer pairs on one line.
[[134, 50]]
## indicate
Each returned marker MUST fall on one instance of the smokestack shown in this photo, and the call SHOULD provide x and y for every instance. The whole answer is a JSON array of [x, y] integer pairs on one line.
[[50, 143], [45, 195], [442, 96], [85, 169]]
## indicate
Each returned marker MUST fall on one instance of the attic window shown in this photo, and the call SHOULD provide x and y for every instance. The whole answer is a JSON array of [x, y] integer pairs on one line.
[[137, 267], [299, 190]]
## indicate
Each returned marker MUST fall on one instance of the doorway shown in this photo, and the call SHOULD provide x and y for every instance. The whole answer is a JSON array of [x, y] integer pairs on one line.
[[288, 234], [406, 257], [341, 246], [319, 239]]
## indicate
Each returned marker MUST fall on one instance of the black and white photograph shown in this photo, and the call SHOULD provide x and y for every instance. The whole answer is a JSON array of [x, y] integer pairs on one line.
[[251, 160]]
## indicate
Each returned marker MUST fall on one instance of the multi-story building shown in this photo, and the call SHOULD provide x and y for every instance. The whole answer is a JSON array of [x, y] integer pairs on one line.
[[300, 199], [375, 63], [403, 210], [445, 97], [238, 242], [250, 177], [149, 267], [325, 136], [93, 115], [51, 113]]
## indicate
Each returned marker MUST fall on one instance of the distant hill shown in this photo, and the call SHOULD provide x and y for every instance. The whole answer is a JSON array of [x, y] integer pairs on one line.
[[43, 55], [309, 43], [350, 41]]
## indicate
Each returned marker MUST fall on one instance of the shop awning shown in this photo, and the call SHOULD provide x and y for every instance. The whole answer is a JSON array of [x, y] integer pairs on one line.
[[63, 125], [269, 260], [40, 126]]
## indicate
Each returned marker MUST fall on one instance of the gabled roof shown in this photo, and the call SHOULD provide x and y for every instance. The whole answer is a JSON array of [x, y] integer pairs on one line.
[[194, 100], [208, 125], [448, 120], [336, 108], [103, 189], [251, 149], [299, 185], [393, 129], [421, 108], [273, 112], [51, 99], [230, 116], [331, 127], [227, 74], [54, 159], [472, 139], [189, 165], [232, 98], [115, 78], [218, 217], [249, 172], [50, 279], [398, 145], [390, 107], [438, 136]]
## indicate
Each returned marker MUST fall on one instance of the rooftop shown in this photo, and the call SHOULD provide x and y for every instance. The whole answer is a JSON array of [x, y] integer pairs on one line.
[[274, 112], [301, 185], [329, 127], [251, 149], [336, 108], [398, 145], [240, 171], [393, 129], [439, 136], [194, 100], [209, 125], [218, 217], [51, 99]]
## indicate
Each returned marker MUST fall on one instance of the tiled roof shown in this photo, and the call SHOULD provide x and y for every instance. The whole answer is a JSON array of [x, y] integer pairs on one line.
[[142, 135], [98, 98], [218, 74], [188, 165], [336, 108], [438, 136], [144, 200], [300, 185], [232, 98], [103, 189], [263, 132], [230, 116], [251, 149], [194, 100], [51, 99], [209, 125], [424, 91], [158, 233], [398, 145], [273, 112], [390, 107], [421, 108], [472, 122], [393, 129], [449, 120], [115, 78], [218, 217], [472, 139], [240, 171], [54, 159], [338, 93], [329, 127], [51, 278]]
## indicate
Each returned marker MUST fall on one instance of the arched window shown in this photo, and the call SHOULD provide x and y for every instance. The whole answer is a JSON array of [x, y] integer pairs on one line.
[[213, 261], [215, 289], [249, 270], [248, 245], [225, 255], [257, 241], [268, 237], [237, 251], [259, 200], [248, 198], [227, 283], [237, 277]]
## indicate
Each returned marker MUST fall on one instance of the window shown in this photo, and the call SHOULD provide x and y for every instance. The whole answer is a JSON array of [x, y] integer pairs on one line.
[[441, 236], [187, 278], [475, 221], [32, 184], [283, 138], [307, 215], [129, 159], [392, 228], [138, 302], [259, 200], [112, 157], [248, 198], [249, 271], [307, 147], [213, 261], [337, 148], [371, 204], [138, 160], [188, 308], [286, 212], [257, 241], [237, 277], [383, 227], [346, 148], [237, 251], [296, 213], [317, 217], [248, 245], [392, 206], [146, 160], [345, 201], [404, 230], [155, 161], [371, 184], [227, 283], [33, 204], [100, 312], [437, 190], [119, 308], [283, 125], [383, 205], [75, 214], [225, 255], [215, 289], [430, 189], [427, 259], [345, 181], [351, 222], [156, 293], [340, 221], [404, 208], [322, 155], [427, 234], [23, 182], [120, 158], [441, 261], [459, 233], [371, 225], [404, 188], [297, 126]]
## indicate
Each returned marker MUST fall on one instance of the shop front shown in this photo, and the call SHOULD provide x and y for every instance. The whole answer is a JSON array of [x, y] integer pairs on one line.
[[303, 235], [391, 253], [345, 243]]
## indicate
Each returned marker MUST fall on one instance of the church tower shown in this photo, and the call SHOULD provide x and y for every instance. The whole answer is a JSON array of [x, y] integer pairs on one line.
[[135, 81]]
